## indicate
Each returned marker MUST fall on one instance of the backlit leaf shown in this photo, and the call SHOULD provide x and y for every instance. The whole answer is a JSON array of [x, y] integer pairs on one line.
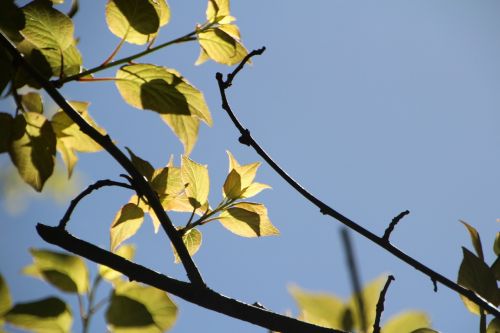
[[33, 148], [475, 275], [71, 61], [47, 27], [494, 326], [202, 58], [44, 316], [144, 167], [136, 21], [407, 321], [319, 308], [196, 180], [254, 189], [126, 251], [32, 102], [6, 124], [11, 20], [69, 136], [476, 240], [5, 299], [192, 239], [424, 330], [66, 272], [217, 8], [221, 46], [496, 245], [125, 224], [239, 182], [147, 309], [248, 219], [370, 294], [165, 91], [232, 185]]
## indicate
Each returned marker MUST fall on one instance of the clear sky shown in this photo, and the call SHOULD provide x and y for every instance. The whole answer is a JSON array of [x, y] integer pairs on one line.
[[376, 107]]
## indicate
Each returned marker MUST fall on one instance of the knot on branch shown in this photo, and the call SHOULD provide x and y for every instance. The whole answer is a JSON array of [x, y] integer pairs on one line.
[[245, 138], [393, 223]]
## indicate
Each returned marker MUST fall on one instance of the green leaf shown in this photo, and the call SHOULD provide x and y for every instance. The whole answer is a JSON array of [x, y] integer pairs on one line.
[[475, 275], [32, 102], [136, 21], [147, 309], [126, 223], [192, 239], [221, 46], [5, 299], [370, 295], [66, 272], [496, 245], [33, 148], [319, 308], [44, 316], [239, 182], [144, 167], [248, 219], [126, 251], [164, 90], [476, 240], [494, 326], [46, 27], [6, 124], [407, 321], [37, 59], [69, 136], [69, 63], [196, 180]]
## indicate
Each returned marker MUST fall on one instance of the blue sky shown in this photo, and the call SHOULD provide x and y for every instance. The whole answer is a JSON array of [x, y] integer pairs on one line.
[[375, 107]]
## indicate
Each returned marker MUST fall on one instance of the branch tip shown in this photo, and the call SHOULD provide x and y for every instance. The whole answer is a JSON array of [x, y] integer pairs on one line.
[[380, 304], [393, 223]]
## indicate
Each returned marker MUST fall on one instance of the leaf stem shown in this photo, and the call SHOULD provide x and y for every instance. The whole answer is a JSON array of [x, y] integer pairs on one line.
[[115, 51]]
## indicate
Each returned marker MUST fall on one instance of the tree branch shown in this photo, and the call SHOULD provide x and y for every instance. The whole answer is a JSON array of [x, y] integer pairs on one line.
[[248, 140], [139, 183], [380, 304], [190, 292], [393, 223]]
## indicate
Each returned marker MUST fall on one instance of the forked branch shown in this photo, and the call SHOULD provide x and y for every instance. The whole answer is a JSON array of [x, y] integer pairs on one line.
[[247, 139]]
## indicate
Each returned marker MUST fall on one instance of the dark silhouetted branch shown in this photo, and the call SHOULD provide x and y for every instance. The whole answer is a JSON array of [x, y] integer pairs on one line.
[[393, 223], [355, 277], [380, 305], [97, 185], [190, 292], [248, 140], [139, 183]]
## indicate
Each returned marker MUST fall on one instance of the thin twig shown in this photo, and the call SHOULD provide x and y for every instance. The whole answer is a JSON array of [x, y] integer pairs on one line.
[[231, 76], [355, 277], [247, 139], [97, 185], [393, 223], [380, 305], [190, 292], [140, 184]]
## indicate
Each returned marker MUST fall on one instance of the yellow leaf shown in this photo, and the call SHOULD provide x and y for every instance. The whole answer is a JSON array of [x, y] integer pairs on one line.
[[248, 219], [407, 321], [192, 239], [125, 224], [126, 251], [216, 9], [222, 47], [195, 178]]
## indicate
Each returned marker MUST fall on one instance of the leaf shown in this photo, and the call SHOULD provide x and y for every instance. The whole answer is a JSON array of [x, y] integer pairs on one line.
[[6, 68], [5, 299], [221, 47], [407, 321], [70, 60], [125, 224], [126, 251], [476, 240], [69, 136], [46, 27], [192, 239], [44, 316], [319, 308], [217, 8], [370, 294], [6, 124], [475, 275], [239, 182], [32, 102], [248, 219], [196, 180], [494, 326], [164, 90], [147, 309], [495, 268], [66, 272], [136, 21], [11, 20], [38, 60], [33, 148], [424, 330], [254, 189], [144, 167], [496, 245], [202, 58]]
